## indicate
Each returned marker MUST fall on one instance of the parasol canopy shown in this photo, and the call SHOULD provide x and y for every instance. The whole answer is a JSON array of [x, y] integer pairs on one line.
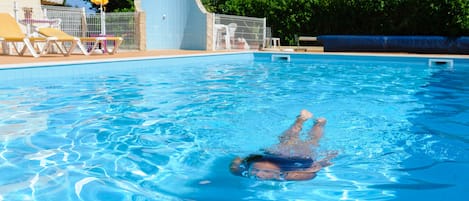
[[100, 2], [52, 2]]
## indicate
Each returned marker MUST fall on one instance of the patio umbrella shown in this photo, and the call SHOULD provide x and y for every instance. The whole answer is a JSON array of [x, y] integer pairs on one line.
[[52, 2], [103, 15]]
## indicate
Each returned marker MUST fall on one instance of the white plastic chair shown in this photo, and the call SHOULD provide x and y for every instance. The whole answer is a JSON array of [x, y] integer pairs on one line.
[[231, 31], [221, 35]]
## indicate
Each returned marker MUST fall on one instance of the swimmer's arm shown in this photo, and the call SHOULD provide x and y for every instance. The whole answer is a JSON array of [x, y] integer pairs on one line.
[[298, 175], [316, 166], [309, 173], [305, 174]]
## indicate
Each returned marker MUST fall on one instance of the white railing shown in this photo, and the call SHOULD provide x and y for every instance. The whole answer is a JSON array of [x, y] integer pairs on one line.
[[71, 18], [229, 32], [238, 32], [117, 24], [76, 22]]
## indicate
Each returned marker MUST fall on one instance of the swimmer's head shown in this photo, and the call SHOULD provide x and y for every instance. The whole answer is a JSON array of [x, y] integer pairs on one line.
[[266, 167], [265, 170], [255, 166]]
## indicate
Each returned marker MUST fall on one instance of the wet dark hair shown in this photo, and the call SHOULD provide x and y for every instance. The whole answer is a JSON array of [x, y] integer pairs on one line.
[[242, 168], [284, 163]]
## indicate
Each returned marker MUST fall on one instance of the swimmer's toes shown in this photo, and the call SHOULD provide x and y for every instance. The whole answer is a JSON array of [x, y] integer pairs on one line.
[[305, 114], [321, 121]]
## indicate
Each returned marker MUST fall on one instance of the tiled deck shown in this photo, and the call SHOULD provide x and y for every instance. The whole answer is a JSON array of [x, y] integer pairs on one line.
[[28, 59], [14, 59], [9, 60]]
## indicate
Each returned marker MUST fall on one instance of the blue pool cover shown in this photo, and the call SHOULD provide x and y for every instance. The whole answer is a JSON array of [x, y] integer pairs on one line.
[[415, 44]]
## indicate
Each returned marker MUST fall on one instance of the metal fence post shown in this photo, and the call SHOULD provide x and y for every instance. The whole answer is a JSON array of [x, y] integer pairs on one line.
[[84, 27], [264, 34], [141, 31]]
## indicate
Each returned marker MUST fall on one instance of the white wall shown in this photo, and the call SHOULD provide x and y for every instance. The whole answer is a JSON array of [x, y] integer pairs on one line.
[[175, 24]]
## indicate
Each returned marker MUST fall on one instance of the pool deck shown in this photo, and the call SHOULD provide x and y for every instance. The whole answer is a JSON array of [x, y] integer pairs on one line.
[[15, 59], [8, 61]]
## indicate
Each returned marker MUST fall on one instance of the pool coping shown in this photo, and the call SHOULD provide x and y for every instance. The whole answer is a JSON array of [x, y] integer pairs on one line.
[[201, 54], [108, 60]]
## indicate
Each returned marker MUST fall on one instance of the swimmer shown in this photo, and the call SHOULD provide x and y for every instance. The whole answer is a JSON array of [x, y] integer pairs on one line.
[[290, 160]]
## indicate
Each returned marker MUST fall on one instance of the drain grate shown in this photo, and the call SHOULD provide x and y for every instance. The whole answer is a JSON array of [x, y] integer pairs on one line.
[[280, 57], [447, 63]]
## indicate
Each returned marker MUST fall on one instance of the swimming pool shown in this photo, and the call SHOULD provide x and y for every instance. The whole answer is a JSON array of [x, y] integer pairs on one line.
[[166, 128]]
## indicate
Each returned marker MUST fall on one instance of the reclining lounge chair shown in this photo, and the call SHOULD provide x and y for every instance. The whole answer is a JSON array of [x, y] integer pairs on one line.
[[97, 41], [63, 38], [10, 32]]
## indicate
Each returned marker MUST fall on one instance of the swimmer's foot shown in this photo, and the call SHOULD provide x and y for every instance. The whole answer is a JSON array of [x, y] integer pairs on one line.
[[292, 134], [317, 131], [305, 115], [320, 122]]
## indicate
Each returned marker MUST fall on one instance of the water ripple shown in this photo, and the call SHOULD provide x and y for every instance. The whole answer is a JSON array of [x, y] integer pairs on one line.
[[169, 133]]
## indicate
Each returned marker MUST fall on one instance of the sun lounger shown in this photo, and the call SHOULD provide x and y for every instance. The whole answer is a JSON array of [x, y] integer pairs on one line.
[[103, 42], [96, 41], [64, 39], [10, 32]]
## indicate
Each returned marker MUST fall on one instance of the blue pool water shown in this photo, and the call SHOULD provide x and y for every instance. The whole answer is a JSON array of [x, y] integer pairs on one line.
[[166, 129]]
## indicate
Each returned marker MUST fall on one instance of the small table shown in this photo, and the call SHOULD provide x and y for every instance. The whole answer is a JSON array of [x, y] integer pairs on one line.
[[30, 22], [102, 42], [275, 42], [272, 42]]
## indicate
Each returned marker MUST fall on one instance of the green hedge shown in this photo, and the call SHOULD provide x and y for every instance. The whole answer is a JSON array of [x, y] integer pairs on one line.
[[360, 17]]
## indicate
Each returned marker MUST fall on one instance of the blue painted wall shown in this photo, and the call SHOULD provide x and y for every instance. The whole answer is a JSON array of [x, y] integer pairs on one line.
[[174, 24]]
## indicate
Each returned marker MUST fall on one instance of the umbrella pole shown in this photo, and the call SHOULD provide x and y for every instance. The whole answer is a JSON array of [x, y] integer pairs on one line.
[[103, 21]]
